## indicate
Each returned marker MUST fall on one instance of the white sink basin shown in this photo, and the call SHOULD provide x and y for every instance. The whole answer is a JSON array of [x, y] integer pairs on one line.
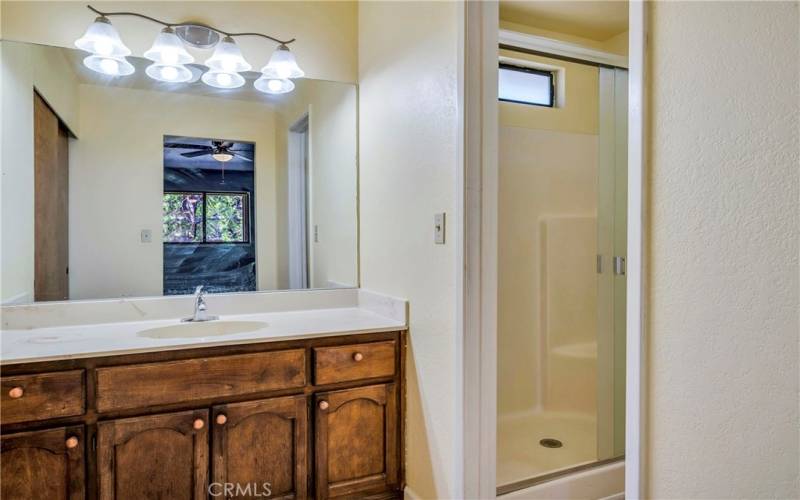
[[202, 329]]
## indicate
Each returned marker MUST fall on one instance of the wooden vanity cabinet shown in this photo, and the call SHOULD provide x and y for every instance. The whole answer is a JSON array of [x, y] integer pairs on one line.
[[43, 464], [356, 441], [262, 444], [155, 456], [297, 419]]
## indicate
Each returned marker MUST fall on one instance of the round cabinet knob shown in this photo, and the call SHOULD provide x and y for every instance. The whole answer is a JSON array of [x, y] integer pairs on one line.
[[198, 424], [221, 419], [358, 356], [16, 393], [323, 405], [72, 442]]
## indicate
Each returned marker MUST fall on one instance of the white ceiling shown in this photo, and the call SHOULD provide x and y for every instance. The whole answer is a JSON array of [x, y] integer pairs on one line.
[[596, 20]]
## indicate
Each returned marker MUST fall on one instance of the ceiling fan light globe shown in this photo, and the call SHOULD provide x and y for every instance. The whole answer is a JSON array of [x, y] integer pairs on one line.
[[222, 156], [168, 49], [102, 39]]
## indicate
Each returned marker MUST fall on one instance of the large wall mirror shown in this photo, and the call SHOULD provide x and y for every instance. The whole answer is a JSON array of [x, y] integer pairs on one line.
[[126, 186]]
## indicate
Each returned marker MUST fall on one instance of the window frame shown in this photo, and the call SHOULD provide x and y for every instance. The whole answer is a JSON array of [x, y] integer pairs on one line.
[[524, 69], [245, 217]]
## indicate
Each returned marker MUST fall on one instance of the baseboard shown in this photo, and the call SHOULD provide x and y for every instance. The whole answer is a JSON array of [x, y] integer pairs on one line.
[[409, 494]]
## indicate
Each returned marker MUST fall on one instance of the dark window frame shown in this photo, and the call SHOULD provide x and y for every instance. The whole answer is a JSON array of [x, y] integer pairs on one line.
[[522, 69], [245, 217]]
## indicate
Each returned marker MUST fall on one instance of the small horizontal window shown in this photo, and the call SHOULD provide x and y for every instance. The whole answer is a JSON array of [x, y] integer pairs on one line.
[[525, 85]]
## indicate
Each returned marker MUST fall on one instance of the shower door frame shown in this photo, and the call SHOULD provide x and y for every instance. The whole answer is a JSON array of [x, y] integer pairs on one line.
[[477, 256]]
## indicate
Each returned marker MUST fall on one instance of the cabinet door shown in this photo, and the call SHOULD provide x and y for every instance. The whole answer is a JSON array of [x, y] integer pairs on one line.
[[43, 464], [259, 448], [356, 441], [156, 457]]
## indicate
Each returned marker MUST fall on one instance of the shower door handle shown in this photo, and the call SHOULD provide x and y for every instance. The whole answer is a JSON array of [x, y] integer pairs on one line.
[[619, 265]]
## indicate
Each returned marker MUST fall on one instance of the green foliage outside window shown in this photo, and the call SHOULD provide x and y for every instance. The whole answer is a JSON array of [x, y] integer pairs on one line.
[[205, 218]]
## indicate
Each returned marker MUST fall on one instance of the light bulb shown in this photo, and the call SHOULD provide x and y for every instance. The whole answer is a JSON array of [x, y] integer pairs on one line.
[[270, 85], [102, 39], [103, 47], [223, 80], [109, 66], [112, 66], [169, 73]]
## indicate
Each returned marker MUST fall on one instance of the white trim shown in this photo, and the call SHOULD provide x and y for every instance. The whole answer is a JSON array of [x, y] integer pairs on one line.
[[409, 494], [478, 304], [635, 382], [559, 48], [298, 159]]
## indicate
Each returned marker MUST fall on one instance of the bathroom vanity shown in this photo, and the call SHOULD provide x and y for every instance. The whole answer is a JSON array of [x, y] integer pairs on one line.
[[289, 415]]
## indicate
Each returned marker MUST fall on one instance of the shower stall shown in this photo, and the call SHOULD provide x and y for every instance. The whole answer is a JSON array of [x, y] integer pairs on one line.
[[561, 281]]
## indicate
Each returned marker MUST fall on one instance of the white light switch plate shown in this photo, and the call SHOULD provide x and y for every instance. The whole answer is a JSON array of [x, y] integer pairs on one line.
[[438, 228], [147, 236]]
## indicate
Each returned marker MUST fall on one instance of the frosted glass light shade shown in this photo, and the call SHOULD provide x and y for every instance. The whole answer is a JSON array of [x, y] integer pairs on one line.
[[168, 49], [112, 66], [273, 85], [102, 39], [169, 73], [227, 58], [282, 65], [222, 79]]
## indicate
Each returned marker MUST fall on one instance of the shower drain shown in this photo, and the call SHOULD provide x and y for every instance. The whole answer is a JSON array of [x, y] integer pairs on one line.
[[551, 443]]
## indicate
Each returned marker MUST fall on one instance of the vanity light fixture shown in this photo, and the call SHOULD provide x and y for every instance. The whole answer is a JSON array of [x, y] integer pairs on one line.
[[282, 64], [170, 57], [107, 51]]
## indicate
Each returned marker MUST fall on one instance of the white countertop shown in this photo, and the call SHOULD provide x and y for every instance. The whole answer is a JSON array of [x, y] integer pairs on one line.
[[115, 338], [81, 341]]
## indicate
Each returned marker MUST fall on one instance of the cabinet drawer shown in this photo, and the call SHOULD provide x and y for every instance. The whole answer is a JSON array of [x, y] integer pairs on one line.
[[353, 362], [136, 386], [42, 396]]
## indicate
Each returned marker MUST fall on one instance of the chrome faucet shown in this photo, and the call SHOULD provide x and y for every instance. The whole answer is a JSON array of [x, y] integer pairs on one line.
[[200, 307]]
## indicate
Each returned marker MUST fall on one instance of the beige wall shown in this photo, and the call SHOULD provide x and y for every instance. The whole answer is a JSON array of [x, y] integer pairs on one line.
[[326, 32], [409, 157], [722, 294], [117, 180], [25, 68]]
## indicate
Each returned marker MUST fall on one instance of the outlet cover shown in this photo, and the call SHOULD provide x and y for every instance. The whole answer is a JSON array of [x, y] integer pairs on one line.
[[147, 236]]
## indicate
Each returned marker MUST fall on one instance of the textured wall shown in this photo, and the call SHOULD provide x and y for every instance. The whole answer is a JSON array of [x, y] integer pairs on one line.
[[723, 259], [409, 140]]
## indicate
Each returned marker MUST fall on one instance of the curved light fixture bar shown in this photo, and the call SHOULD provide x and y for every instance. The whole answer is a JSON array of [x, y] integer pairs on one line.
[[175, 25]]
